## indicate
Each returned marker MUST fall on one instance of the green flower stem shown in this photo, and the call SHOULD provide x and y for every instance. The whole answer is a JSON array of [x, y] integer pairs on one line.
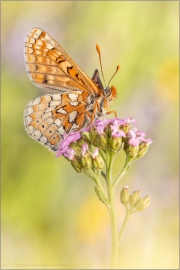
[[89, 175], [96, 179], [122, 173], [110, 201], [103, 155], [128, 213], [113, 216]]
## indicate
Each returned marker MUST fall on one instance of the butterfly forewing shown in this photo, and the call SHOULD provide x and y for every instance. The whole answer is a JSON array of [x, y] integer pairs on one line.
[[50, 67]]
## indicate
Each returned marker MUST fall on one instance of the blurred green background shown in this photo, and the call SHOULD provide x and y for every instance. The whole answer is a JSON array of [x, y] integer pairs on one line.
[[51, 217]]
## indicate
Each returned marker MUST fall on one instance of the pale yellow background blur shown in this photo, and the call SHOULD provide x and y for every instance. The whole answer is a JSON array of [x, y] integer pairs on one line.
[[51, 217]]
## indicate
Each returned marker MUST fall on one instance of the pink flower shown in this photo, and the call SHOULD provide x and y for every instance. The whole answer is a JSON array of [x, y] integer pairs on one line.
[[84, 149], [70, 153], [68, 139], [133, 140], [116, 132], [95, 154], [101, 124], [114, 123], [136, 137], [147, 141], [129, 120], [139, 133]]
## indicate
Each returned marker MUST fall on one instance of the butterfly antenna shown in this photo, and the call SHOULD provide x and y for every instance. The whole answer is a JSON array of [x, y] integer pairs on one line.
[[117, 69], [99, 53]]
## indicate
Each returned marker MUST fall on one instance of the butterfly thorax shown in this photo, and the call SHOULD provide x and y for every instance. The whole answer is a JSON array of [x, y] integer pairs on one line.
[[104, 96], [99, 104]]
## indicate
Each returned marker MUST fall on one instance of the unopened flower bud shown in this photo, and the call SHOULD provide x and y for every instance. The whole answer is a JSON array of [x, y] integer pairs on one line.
[[80, 142], [134, 198], [86, 139], [103, 140], [143, 147], [125, 128], [74, 146], [131, 150], [76, 165], [108, 130], [93, 133], [124, 195], [86, 161], [98, 162], [115, 143], [143, 203], [97, 159]]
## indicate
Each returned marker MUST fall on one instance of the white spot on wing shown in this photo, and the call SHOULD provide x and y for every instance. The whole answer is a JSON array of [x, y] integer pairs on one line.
[[47, 37], [72, 116], [55, 103], [31, 40], [74, 103], [46, 115], [73, 97], [89, 99], [43, 139], [61, 111], [57, 122], [56, 97], [50, 109], [30, 129], [61, 130], [28, 110], [36, 101], [49, 46], [36, 134], [36, 36], [49, 120], [74, 127], [28, 120], [47, 98], [29, 45], [38, 31]]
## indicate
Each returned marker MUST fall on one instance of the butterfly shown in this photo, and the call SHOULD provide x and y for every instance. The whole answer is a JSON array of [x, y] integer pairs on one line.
[[77, 100]]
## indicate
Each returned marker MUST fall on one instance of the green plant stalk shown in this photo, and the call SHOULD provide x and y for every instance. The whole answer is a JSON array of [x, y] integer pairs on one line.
[[96, 179], [110, 203], [128, 213], [122, 173], [113, 216]]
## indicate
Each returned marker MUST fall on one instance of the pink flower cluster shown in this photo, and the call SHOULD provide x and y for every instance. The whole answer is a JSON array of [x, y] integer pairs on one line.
[[64, 146], [135, 137], [118, 129]]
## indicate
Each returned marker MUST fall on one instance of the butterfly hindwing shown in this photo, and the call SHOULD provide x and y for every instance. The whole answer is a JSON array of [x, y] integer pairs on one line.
[[49, 117]]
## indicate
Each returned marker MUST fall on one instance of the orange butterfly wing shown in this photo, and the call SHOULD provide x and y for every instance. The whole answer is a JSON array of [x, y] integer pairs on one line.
[[48, 117], [49, 66]]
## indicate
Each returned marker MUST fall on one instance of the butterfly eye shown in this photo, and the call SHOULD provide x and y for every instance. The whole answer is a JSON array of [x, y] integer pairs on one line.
[[107, 92]]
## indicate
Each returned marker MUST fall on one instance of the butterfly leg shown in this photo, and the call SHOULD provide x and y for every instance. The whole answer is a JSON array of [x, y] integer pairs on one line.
[[110, 112], [91, 116]]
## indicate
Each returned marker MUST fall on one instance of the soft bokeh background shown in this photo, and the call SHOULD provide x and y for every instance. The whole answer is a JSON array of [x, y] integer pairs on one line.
[[51, 217]]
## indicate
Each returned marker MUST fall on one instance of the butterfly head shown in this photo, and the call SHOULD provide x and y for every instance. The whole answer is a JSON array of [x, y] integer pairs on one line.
[[110, 93]]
